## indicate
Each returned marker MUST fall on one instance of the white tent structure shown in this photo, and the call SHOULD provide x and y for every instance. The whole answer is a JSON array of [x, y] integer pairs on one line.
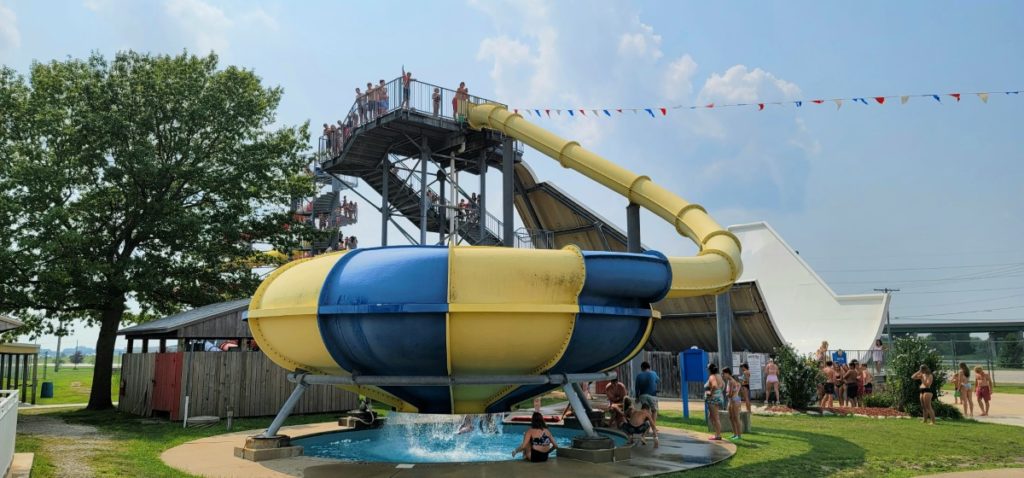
[[802, 307]]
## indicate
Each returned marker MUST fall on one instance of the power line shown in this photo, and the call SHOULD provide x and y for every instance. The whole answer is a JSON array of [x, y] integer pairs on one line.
[[963, 312], [967, 301], [974, 266], [963, 290]]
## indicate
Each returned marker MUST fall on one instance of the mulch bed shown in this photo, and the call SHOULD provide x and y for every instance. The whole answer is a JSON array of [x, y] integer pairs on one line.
[[870, 412]]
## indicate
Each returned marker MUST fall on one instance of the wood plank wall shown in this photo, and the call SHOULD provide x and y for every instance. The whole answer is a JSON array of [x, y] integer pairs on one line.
[[247, 382]]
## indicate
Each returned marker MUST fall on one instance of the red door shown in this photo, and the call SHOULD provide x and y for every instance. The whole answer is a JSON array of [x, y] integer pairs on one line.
[[167, 383]]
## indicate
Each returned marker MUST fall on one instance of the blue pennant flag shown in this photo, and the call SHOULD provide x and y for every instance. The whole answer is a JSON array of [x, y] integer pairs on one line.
[[861, 100], [538, 113], [799, 103], [649, 111], [937, 98], [1012, 92], [606, 113], [570, 113]]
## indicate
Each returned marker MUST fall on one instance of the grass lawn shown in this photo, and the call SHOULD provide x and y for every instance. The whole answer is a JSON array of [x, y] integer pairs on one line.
[[781, 446], [855, 447], [71, 385]]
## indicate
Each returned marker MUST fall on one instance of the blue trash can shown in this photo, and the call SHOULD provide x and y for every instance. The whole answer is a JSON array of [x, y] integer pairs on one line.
[[47, 390]]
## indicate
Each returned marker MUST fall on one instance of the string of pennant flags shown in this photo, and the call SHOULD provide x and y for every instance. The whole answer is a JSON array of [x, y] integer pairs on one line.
[[654, 112]]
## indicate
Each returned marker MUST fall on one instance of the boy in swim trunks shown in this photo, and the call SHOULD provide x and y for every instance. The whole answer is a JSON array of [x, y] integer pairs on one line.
[[852, 379], [638, 422], [830, 385], [983, 388]]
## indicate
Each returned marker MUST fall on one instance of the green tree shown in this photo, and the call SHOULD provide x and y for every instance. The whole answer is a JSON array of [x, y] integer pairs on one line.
[[1011, 353], [905, 358], [799, 377], [143, 180]]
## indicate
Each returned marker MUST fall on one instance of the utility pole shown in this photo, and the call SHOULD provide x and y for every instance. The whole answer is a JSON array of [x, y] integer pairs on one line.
[[888, 324]]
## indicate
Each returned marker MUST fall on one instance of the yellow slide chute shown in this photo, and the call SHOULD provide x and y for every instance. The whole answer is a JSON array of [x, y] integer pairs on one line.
[[712, 271]]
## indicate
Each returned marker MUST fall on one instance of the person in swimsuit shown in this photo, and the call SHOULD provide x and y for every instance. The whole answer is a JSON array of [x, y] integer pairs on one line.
[[983, 387], [639, 422], [370, 97], [733, 395], [852, 379], [745, 381], [956, 389], [868, 379], [537, 441], [822, 354], [772, 372], [406, 89], [456, 98], [382, 97], [877, 353], [924, 375], [715, 400], [963, 384], [616, 394], [830, 385]]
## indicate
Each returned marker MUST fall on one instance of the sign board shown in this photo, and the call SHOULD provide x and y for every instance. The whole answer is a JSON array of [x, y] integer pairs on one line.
[[839, 357], [756, 368]]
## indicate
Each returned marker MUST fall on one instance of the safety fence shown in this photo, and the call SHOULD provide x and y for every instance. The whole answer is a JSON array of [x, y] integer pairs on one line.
[[666, 365], [1003, 359], [8, 427]]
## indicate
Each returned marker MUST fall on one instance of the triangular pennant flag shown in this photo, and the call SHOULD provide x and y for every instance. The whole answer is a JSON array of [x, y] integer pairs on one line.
[[760, 106], [529, 113], [664, 111], [635, 111], [937, 98], [955, 95], [649, 111], [798, 103], [880, 100], [606, 113], [904, 99], [559, 112], [538, 113], [839, 103], [1012, 92], [983, 97], [582, 112], [709, 105], [817, 102], [594, 111], [619, 110], [516, 110], [862, 100], [548, 112], [571, 113]]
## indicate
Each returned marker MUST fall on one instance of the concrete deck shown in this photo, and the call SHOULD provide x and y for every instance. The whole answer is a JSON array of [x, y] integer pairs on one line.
[[1006, 408], [214, 457]]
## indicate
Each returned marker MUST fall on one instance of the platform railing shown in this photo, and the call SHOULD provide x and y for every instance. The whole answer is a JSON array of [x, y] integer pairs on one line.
[[418, 96], [534, 238], [8, 427]]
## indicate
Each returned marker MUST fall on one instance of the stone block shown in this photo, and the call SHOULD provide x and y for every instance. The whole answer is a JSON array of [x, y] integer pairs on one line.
[[263, 454], [608, 455], [723, 416]]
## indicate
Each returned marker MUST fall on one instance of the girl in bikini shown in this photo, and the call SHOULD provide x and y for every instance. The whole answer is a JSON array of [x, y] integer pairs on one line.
[[924, 374], [537, 441], [772, 382], [745, 390], [963, 386], [733, 395], [715, 400]]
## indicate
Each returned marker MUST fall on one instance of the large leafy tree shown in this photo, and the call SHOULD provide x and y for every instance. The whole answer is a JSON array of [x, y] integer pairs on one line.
[[137, 186]]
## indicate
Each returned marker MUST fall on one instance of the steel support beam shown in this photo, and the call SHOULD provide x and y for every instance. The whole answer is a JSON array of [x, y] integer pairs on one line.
[[633, 228], [508, 154], [286, 410], [385, 207], [424, 158], [582, 414], [724, 320], [442, 209], [481, 204]]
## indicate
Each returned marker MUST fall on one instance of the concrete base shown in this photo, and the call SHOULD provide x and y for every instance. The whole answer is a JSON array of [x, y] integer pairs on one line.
[[259, 448], [584, 442], [608, 455], [723, 416], [21, 465]]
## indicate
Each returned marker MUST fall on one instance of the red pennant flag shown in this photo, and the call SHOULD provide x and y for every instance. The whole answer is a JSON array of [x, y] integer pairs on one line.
[[880, 99], [817, 102], [955, 95], [619, 110], [584, 113], [516, 110], [663, 111], [760, 106], [709, 105], [548, 112]]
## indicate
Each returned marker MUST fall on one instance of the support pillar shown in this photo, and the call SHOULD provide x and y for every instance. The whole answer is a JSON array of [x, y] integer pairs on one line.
[[633, 228], [424, 158], [724, 320], [481, 205], [285, 411], [582, 414], [385, 207], [507, 176], [442, 209]]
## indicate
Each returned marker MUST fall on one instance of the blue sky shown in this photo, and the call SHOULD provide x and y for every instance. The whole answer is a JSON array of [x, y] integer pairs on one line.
[[933, 188]]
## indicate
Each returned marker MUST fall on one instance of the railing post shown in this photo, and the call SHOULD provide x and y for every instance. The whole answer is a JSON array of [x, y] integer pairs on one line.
[[507, 172], [385, 207]]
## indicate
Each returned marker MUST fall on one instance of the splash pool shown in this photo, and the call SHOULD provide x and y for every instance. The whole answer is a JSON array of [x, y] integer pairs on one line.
[[423, 440]]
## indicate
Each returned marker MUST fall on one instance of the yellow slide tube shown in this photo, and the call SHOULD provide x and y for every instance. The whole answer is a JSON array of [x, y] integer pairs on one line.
[[712, 271]]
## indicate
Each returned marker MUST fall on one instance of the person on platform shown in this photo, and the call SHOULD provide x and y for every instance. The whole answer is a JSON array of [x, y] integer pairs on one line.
[[646, 384], [382, 98], [537, 441], [361, 105], [436, 98], [878, 355], [771, 371], [406, 89]]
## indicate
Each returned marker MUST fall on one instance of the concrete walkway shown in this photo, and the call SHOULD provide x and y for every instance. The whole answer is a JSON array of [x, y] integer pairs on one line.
[[998, 473], [1006, 408]]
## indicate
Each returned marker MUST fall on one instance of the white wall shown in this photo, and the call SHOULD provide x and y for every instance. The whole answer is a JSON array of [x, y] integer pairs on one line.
[[805, 309]]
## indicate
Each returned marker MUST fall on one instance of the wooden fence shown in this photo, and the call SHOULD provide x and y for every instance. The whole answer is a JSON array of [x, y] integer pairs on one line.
[[666, 365], [248, 383]]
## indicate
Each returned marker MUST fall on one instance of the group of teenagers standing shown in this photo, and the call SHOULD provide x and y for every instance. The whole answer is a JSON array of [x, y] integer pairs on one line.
[[728, 391]]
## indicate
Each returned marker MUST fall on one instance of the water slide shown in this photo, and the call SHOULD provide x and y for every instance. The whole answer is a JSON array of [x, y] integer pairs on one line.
[[474, 311]]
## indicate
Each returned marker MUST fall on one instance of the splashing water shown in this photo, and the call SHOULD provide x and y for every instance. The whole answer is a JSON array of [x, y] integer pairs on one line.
[[416, 438]]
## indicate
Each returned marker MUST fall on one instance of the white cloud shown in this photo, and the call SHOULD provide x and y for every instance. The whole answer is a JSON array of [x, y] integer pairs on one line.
[[803, 139], [10, 37], [642, 44], [260, 19], [207, 24], [741, 85], [96, 5], [678, 82]]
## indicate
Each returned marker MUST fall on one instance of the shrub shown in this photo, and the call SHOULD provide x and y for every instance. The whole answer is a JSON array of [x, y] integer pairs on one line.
[[879, 400], [799, 377], [906, 357], [942, 410], [1011, 353]]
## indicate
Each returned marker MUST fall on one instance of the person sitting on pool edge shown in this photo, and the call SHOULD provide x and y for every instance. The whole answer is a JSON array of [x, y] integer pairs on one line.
[[537, 441], [638, 422]]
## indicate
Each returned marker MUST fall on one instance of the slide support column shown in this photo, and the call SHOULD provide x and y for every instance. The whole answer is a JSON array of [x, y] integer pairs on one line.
[[507, 171], [633, 228], [724, 320]]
